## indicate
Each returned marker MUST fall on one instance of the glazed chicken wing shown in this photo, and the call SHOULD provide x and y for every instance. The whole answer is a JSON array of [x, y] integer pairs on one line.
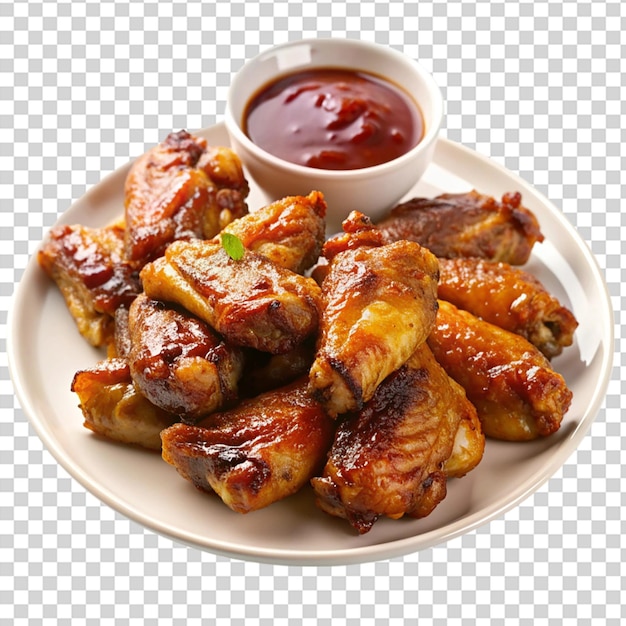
[[517, 394], [379, 304], [388, 459], [290, 232], [112, 406], [181, 189], [510, 298], [467, 225], [263, 450], [178, 362], [89, 267], [252, 302]]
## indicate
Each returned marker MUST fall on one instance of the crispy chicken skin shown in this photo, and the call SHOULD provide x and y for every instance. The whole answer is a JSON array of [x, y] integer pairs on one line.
[[252, 302], [263, 450], [379, 304], [181, 189], [112, 406], [510, 298], [178, 362], [517, 394], [89, 267], [467, 225], [388, 459], [290, 231]]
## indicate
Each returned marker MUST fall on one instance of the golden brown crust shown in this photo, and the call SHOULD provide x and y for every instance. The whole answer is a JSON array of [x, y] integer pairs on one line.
[[251, 302], [510, 298], [379, 304], [388, 459], [467, 225], [181, 189], [263, 450], [404, 426], [89, 267], [290, 232], [517, 394], [112, 406], [178, 362]]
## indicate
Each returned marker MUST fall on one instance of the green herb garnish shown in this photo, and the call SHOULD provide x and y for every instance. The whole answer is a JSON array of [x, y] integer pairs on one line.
[[233, 246]]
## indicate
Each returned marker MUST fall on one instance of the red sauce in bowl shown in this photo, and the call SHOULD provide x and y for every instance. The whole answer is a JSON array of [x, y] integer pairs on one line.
[[333, 119]]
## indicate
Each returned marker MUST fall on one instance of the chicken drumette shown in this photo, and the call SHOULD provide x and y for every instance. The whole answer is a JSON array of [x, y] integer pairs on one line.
[[179, 362], [508, 297], [516, 392]]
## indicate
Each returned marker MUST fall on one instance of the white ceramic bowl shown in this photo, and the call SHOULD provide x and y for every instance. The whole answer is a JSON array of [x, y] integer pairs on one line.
[[371, 190]]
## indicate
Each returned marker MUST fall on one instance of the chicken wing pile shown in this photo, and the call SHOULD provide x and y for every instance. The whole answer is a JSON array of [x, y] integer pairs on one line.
[[368, 368]]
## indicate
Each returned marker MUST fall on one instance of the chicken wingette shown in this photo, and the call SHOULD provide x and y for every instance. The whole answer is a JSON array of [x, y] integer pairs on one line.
[[389, 458], [178, 362], [89, 267], [181, 189], [113, 407], [467, 225], [379, 303], [252, 302], [263, 450], [508, 297], [516, 392]]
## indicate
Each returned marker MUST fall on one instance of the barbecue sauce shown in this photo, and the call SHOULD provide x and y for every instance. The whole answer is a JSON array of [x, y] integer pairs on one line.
[[333, 119]]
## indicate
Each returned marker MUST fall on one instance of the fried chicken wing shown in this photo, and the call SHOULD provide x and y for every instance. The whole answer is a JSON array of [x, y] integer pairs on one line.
[[178, 362], [263, 450], [389, 458], [89, 267], [112, 406], [379, 304], [467, 225], [181, 189], [510, 298], [517, 394], [290, 231], [252, 302]]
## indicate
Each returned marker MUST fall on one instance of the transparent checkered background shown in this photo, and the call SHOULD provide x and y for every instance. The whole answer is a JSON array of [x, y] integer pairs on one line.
[[539, 86]]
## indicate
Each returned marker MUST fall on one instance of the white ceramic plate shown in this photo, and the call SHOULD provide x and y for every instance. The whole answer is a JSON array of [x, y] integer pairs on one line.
[[45, 350]]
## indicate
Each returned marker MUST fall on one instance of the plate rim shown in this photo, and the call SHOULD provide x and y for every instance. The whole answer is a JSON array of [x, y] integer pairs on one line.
[[350, 555]]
